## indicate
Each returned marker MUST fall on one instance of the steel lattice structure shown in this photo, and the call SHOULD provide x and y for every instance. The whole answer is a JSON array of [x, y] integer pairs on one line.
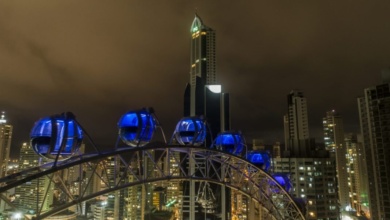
[[169, 163]]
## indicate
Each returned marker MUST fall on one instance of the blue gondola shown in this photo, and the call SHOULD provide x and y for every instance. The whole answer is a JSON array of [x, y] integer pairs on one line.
[[56, 137], [283, 180], [136, 128], [190, 131], [230, 142], [260, 158]]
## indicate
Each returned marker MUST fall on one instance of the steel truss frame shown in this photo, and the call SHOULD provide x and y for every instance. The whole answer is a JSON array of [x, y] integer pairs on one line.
[[169, 163]]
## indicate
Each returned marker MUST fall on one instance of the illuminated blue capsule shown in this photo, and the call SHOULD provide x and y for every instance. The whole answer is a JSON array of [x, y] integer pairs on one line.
[[136, 128], [260, 159], [190, 131], [283, 180], [230, 142], [56, 135]]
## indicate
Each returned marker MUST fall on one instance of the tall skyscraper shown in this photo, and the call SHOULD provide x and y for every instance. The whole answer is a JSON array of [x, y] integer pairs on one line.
[[296, 124], [357, 172], [203, 63], [334, 143], [202, 95], [5, 144], [40, 189], [374, 113]]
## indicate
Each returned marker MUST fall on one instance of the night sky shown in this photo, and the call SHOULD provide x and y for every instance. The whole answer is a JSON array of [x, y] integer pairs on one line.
[[99, 59]]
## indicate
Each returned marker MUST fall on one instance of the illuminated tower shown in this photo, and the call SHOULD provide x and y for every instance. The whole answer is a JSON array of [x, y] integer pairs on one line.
[[202, 95], [203, 65], [357, 171], [5, 144], [334, 142], [27, 194], [202, 53], [374, 112]]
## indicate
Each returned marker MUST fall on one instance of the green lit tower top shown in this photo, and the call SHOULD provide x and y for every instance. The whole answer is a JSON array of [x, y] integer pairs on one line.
[[203, 96], [202, 69], [202, 53]]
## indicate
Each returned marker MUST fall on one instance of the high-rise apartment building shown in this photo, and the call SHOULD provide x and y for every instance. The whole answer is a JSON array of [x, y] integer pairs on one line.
[[374, 113], [297, 125], [312, 172], [40, 189], [357, 172], [334, 143], [314, 181], [5, 144]]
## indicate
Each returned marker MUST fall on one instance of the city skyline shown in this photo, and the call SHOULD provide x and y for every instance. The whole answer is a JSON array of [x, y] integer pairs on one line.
[[88, 59]]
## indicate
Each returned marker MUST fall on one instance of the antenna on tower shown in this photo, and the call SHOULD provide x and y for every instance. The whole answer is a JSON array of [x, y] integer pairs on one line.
[[196, 12]]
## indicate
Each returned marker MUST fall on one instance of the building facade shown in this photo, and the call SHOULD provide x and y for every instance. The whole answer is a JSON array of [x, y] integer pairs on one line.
[[357, 171], [39, 189], [334, 143], [312, 171], [203, 96], [314, 181], [374, 113], [5, 144], [297, 124]]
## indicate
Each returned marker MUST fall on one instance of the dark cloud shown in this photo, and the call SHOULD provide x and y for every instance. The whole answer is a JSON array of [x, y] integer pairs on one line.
[[102, 58]]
